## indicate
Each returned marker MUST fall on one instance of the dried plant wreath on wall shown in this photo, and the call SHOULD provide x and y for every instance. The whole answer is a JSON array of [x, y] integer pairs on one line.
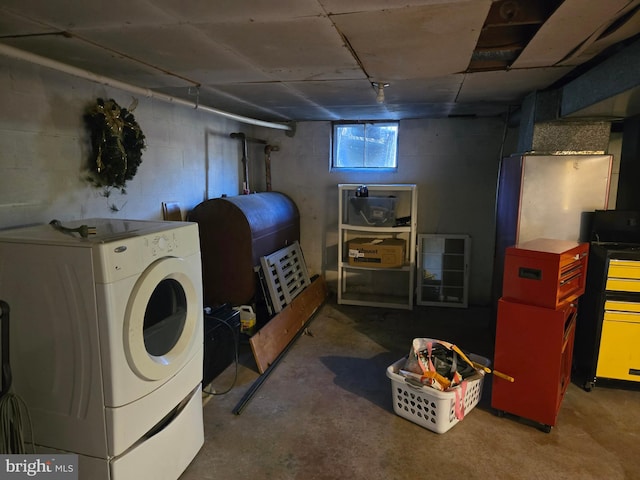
[[117, 143]]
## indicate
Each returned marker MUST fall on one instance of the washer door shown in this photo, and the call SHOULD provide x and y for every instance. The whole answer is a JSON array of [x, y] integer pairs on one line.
[[161, 319]]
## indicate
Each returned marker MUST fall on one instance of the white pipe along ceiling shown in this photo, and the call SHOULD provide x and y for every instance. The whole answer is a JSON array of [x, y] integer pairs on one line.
[[146, 92]]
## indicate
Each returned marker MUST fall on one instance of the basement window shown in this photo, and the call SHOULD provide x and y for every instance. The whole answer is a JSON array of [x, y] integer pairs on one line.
[[369, 145]]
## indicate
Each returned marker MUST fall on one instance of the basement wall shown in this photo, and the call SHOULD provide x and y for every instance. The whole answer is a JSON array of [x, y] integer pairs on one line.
[[190, 156], [454, 162], [44, 151]]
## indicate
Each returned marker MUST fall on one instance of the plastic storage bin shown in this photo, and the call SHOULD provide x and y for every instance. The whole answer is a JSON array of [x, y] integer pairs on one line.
[[431, 408], [372, 211]]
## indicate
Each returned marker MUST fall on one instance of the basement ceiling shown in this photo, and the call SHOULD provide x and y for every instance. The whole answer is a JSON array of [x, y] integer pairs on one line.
[[302, 60]]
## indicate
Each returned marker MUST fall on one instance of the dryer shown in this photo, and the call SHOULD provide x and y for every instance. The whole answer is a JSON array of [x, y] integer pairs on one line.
[[107, 342]]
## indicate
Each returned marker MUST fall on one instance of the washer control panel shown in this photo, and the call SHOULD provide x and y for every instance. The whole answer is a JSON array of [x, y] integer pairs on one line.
[[162, 244], [131, 256]]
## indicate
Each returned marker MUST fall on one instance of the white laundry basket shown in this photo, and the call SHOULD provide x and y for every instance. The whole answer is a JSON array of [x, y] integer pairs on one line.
[[431, 408]]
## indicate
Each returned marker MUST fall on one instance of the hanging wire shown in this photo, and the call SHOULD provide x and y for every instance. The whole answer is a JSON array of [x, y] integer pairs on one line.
[[197, 94], [13, 410], [14, 415], [236, 362]]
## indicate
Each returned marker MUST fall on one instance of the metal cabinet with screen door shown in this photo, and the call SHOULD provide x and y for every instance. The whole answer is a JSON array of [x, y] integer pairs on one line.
[[443, 270]]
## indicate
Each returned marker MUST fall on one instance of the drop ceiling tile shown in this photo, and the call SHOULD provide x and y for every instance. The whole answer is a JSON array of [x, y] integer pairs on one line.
[[417, 42], [266, 95], [206, 11], [351, 6], [336, 92], [305, 114], [180, 49], [302, 49], [76, 15], [74, 52], [569, 26], [418, 110], [282, 102], [369, 112], [425, 90], [14, 24], [608, 35], [509, 85]]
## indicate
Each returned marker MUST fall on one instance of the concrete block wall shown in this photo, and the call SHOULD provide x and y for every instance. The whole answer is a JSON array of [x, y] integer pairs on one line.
[[44, 151], [190, 156], [454, 162]]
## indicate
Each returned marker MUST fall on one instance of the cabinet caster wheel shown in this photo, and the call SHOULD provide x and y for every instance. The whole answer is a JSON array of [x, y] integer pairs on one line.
[[546, 428], [500, 413]]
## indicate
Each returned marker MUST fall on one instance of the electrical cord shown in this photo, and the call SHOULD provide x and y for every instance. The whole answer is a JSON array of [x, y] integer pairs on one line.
[[14, 415], [83, 230], [236, 362], [13, 409]]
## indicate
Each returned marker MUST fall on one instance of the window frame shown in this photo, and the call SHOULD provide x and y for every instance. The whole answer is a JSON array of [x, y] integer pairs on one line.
[[333, 153]]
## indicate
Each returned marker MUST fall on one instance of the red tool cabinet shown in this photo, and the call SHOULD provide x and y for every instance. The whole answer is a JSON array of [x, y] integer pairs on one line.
[[545, 272], [534, 345], [535, 328]]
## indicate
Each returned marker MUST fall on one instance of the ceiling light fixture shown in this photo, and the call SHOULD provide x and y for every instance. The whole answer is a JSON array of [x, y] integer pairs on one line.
[[379, 87]]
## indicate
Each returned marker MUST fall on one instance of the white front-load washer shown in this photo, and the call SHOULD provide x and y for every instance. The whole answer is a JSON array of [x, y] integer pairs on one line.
[[106, 342]]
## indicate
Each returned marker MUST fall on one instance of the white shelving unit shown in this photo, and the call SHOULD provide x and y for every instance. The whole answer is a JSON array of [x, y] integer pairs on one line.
[[443, 270], [389, 211]]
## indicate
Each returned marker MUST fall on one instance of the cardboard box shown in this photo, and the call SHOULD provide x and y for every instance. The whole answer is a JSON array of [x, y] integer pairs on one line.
[[377, 252]]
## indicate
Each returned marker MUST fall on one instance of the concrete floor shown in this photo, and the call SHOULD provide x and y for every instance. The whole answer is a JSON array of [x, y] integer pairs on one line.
[[326, 412]]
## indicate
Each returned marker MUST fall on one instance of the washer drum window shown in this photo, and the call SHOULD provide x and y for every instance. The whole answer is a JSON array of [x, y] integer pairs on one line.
[[161, 320]]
